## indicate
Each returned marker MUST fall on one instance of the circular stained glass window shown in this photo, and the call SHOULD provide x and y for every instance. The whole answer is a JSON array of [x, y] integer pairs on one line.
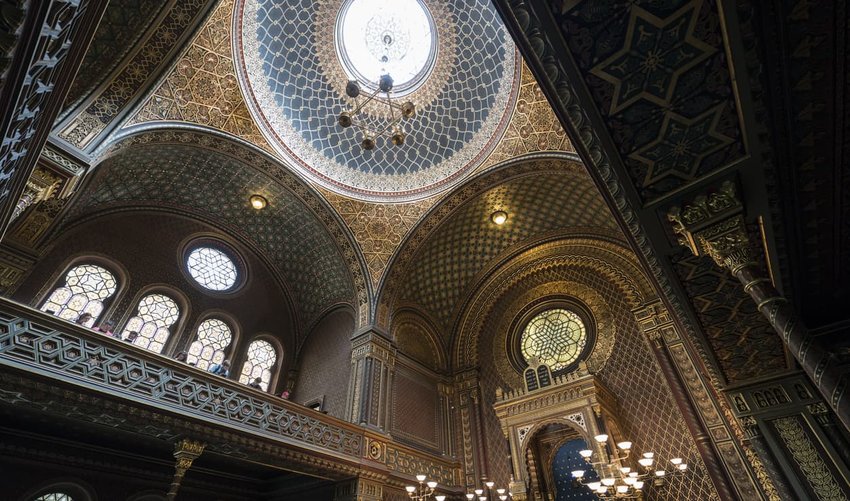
[[212, 268], [395, 37], [554, 337]]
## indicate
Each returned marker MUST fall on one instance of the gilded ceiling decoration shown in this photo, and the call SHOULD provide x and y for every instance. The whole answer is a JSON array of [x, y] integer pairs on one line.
[[201, 87], [744, 343], [85, 125], [212, 178], [608, 260], [533, 126], [508, 303], [457, 239], [662, 85], [295, 90], [122, 25], [378, 227]]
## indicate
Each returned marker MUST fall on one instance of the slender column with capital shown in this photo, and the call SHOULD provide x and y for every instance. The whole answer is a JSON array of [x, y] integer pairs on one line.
[[185, 452], [372, 369], [713, 225], [759, 445]]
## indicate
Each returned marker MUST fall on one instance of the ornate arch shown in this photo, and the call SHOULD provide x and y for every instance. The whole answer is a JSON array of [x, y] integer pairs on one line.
[[410, 320], [298, 229], [612, 260], [534, 189]]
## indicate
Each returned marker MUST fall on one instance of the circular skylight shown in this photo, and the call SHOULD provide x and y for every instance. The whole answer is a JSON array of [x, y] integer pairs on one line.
[[554, 337], [395, 37], [211, 268]]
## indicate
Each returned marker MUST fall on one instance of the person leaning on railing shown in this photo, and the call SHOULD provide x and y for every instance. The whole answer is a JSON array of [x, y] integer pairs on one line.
[[222, 369]]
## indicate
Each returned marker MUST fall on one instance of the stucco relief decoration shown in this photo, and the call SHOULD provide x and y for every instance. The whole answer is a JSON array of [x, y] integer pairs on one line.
[[577, 418], [605, 329], [459, 67]]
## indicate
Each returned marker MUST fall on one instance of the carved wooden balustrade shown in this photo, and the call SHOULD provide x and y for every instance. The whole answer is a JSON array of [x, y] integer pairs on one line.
[[234, 418]]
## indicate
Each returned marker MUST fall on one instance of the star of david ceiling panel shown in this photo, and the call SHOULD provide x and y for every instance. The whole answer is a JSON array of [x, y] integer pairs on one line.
[[216, 186], [457, 239], [123, 23], [661, 83]]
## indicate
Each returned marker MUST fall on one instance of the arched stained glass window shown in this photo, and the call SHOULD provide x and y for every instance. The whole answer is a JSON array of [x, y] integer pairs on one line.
[[213, 338], [554, 337], [86, 288], [55, 496], [212, 268], [154, 317], [259, 362]]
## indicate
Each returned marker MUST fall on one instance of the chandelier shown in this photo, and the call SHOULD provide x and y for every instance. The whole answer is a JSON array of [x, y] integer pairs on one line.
[[618, 480], [395, 111], [481, 495], [424, 490]]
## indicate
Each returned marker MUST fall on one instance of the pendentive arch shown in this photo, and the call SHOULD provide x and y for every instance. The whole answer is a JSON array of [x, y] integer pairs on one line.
[[541, 193], [295, 208], [612, 260]]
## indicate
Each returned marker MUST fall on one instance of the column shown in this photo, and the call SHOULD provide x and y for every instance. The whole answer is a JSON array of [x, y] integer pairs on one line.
[[714, 225], [370, 388], [359, 489], [185, 452]]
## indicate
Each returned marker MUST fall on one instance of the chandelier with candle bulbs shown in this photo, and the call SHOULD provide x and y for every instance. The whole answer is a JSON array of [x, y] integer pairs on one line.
[[395, 111], [482, 495], [617, 479], [424, 490]]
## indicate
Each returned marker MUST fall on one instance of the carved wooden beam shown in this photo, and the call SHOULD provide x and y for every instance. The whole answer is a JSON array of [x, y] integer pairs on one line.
[[713, 225], [54, 36]]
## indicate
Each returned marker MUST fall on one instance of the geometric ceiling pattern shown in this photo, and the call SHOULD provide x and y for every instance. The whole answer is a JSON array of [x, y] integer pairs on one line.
[[295, 92], [661, 83], [97, 114], [119, 30], [314, 262], [201, 87], [743, 341], [457, 239]]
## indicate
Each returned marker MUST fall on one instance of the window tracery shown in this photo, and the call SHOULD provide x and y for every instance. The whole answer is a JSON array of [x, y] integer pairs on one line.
[[86, 288], [155, 315], [213, 337], [212, 268], [55, 496], [259, 362], [554, 337]]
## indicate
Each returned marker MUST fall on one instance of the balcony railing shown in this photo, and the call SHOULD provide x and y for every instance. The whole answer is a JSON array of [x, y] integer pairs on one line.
[[42, 344]]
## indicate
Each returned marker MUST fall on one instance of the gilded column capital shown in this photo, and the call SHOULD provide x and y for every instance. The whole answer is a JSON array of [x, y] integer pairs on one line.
[[713, 225]]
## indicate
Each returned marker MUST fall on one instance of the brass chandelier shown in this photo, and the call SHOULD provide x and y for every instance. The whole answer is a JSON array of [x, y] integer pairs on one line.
[[395, 111], [620, 481]]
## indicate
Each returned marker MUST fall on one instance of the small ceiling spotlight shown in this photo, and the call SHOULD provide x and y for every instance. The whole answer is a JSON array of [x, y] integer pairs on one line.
[[499, 217], [258, 202]]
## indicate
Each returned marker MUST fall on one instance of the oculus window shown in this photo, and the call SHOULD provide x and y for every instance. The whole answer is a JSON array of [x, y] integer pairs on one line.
[[55, 496], [398, 37], [86, 288], [212, 268], [555, 337]]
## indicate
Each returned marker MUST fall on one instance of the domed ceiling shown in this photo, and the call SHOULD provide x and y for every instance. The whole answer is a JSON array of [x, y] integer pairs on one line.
[[452, 58]]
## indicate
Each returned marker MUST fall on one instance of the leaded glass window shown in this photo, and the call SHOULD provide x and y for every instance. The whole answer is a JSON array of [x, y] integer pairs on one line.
[[213, 338], [554, 337], [212, 268], [259, 362], [55, 496], [154, 317], [86, 288]]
